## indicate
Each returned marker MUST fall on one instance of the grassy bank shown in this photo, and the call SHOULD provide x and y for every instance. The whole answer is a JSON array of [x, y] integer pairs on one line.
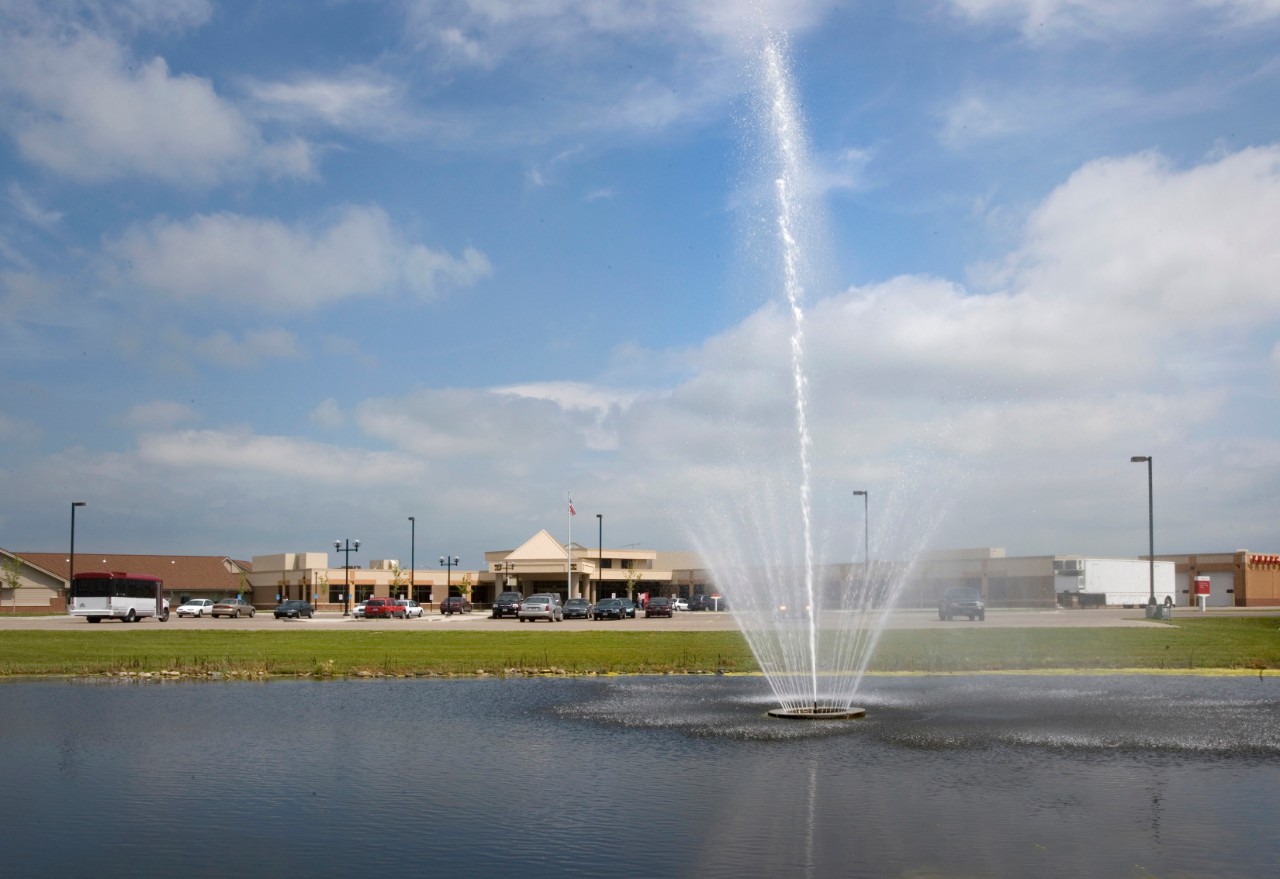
[[1238, 644]]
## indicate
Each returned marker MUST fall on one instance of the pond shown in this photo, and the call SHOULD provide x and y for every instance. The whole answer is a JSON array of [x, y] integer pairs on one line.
[[1000, 776]]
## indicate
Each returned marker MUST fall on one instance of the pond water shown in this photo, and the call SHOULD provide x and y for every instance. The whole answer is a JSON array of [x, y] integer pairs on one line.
[[1005, 776]]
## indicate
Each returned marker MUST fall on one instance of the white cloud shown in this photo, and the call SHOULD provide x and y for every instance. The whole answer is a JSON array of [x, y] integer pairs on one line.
[[31, 210], [974, 118], [249, 456], [264, 263], [1044, 19], [693, 58], [510, 433], [1195, 249], [83, 107], [250, 350], [482, 32], [328, 414], [18, 430], [158, 414], [362, 101]]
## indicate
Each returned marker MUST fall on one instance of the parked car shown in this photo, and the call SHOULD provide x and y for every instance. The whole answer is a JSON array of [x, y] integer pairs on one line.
[[608, 609], [543, 606], [679, 604], [358, 611], [294, 609], [195, 607], [412, 610], [455, 604], [708, 602], [577, 609], [233, 607], [383, 609], [507, 604], [629, 606], [658, 607], [961, 601]]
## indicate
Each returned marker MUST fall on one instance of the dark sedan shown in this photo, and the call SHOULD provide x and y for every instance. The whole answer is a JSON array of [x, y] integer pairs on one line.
[[707, 602], [658, 607], [608, 609], [629, 606], [577, 608], [294, 609], [455, 604]]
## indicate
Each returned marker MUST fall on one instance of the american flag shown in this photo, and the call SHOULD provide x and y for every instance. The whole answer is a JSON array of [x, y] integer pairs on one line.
[[572, 511]]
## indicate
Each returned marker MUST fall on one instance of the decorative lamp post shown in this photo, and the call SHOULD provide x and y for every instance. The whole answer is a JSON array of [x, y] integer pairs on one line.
[[1151, 525], [71, 575], [449, 563], [346, 547]]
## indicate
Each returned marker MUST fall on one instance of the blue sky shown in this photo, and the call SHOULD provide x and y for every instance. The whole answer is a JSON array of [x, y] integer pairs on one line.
[[278, 273]]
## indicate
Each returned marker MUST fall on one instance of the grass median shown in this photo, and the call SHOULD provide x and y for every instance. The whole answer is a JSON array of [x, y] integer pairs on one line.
[[1245, 644]]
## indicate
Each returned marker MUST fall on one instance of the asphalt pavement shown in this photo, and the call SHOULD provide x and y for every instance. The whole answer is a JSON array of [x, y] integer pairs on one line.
[[688, 621]]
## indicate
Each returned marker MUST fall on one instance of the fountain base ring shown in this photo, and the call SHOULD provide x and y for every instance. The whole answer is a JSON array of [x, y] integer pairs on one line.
[[818, 712]]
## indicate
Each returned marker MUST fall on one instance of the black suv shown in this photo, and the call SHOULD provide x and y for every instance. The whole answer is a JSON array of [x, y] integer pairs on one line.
[[961, 601], [507, 604]]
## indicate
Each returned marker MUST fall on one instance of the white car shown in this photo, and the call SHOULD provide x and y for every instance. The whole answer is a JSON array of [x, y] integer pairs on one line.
[[196, 607], [679, 604], [358, 611], [412, 610]]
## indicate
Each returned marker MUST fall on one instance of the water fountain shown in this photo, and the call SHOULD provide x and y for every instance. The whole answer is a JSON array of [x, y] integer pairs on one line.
[[813, 638]]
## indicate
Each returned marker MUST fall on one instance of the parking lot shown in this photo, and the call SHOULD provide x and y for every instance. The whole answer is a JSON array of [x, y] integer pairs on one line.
[[685, 621]]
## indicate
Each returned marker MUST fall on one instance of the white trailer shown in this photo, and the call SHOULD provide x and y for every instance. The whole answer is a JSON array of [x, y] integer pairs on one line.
[[1114, 581], [1128, 581]]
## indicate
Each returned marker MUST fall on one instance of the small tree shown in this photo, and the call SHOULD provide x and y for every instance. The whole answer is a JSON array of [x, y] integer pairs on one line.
[[633, 578], [13, 577], [464, 586], [398, 581]]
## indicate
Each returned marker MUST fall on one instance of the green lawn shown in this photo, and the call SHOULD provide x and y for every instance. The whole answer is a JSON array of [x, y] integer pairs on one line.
[[1209, 644]]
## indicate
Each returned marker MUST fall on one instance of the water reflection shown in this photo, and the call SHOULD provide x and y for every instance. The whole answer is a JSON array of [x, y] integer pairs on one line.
[[640, 777]]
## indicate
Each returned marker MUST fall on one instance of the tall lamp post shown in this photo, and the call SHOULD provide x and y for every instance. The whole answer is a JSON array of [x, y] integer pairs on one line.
[[449, 562], [866, 539], [346, 547], [413, 544], [1151, 524], [71, 575], [599, 551]]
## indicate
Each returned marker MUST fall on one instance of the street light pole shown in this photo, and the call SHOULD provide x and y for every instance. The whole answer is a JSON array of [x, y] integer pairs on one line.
[[413, 543], [866, 540], [1151, 524], [71, 575], [599, 551], [346, 547]]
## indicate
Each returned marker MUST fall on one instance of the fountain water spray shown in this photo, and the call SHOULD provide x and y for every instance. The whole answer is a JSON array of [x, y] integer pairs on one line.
[[812, 638]]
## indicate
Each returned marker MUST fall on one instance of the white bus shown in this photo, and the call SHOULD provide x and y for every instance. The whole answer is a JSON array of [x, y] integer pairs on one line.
[[99, 595]]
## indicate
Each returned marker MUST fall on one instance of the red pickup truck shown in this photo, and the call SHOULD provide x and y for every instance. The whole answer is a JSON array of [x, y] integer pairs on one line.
[[383, 609]]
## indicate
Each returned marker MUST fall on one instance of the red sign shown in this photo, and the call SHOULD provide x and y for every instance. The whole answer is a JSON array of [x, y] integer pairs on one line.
[[1202, 585]]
